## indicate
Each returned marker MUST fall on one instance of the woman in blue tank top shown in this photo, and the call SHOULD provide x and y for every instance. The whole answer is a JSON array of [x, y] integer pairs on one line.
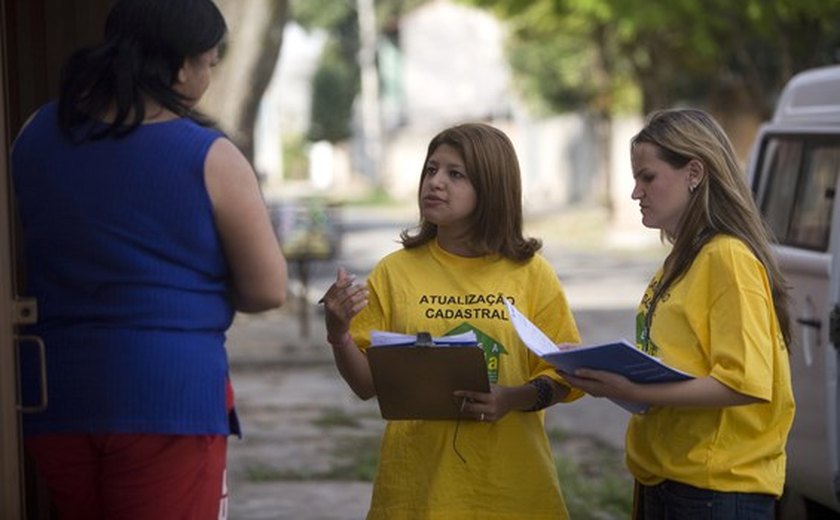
[[144, 230]]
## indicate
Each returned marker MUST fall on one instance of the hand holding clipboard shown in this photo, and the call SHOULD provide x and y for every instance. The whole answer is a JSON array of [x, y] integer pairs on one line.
[[415, 376]]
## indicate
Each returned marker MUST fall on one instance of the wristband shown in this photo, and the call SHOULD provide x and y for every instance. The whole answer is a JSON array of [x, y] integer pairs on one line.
[[545, 394], [345, 340]]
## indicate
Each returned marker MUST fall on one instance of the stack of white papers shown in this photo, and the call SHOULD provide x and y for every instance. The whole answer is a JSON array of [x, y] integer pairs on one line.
[[380, 338]]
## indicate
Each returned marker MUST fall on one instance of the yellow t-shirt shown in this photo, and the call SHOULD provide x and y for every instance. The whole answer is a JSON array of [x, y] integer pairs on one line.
[[509, 471], [717, 320]]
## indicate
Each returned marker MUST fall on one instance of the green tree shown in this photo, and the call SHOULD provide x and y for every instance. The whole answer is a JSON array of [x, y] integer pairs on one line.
[[715, 52], [335, 84], [240, 81], [334, 87], [609, 56], [337, 79], [565, 56], [765, 42]]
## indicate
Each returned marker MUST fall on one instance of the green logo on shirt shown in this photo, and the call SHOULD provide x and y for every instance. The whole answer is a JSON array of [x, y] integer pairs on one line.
[[492, 349]]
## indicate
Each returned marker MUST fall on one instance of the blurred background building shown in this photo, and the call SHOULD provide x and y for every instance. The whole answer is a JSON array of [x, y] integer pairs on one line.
[[338, 99]]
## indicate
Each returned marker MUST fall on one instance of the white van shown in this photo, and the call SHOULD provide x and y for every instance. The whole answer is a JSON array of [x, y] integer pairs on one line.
[[794, 173]]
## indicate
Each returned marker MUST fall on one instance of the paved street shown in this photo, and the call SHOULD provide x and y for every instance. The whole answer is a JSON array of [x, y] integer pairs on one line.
[[308, 438]]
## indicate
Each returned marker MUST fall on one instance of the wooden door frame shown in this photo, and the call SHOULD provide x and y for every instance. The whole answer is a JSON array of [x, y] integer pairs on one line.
[[11, 473], [36, 36]]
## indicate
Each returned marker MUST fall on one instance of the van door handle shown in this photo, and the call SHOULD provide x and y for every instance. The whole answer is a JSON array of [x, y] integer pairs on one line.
[[42, 361], [811, 330], [806, 322]]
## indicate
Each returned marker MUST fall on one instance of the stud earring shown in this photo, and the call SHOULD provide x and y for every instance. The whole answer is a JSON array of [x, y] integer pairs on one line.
[[691, 188]]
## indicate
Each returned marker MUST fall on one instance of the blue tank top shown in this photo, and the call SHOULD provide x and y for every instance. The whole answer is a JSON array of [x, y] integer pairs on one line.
[[123, 256]]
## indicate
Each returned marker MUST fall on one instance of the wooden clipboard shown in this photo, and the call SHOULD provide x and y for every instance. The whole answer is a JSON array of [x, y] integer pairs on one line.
[[417, 382]]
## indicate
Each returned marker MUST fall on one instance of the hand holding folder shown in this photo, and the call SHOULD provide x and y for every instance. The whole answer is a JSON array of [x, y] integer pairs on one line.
[[621, 357], [415, 376]]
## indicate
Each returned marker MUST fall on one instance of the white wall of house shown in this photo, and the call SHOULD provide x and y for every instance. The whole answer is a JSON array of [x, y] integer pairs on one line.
[[453, 65]]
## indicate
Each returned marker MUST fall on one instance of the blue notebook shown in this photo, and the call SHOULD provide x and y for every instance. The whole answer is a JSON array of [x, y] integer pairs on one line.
[[620, 356]]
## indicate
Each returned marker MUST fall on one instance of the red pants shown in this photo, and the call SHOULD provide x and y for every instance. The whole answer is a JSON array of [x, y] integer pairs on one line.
[[133, 476]]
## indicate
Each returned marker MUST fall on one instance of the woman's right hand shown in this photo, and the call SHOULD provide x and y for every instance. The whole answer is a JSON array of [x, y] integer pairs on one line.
[[343, 300]]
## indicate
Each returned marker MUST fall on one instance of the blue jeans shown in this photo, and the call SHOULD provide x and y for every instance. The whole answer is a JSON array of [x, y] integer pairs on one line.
[[671, 500]]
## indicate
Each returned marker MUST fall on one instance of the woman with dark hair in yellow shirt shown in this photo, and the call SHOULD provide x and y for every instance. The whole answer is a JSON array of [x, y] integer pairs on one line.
[[453, 275]]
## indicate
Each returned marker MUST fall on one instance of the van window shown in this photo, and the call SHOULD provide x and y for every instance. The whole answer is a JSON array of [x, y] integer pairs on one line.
[[798, 177]]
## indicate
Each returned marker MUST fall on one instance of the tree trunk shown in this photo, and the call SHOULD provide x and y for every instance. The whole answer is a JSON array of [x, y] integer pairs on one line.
[[603, 120], [255, 37]]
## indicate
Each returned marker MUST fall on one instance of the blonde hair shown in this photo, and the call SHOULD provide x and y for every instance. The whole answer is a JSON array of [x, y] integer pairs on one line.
[[493, 169], [722, 202]]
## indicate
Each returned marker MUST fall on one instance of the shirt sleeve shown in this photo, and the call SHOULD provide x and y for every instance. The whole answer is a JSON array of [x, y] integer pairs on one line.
[[741, 325], [555, 319]]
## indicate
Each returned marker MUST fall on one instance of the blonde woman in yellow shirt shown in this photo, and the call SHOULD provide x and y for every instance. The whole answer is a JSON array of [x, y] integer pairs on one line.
[[714, 446]]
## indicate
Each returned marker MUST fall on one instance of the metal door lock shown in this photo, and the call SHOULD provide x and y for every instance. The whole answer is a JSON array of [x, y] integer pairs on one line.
[[25, 311]]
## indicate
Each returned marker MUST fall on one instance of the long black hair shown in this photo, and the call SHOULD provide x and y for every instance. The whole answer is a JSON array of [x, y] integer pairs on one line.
[[145, 45]]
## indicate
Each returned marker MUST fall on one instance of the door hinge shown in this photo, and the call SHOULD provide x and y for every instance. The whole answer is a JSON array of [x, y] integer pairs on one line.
[[24, 311]]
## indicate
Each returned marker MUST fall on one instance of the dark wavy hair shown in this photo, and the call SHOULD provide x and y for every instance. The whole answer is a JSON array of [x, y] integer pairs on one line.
[[145, 44], [493, 169]]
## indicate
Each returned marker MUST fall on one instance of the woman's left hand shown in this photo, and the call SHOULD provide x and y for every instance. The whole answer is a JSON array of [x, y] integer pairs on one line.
[[599, 383], [485, 406]]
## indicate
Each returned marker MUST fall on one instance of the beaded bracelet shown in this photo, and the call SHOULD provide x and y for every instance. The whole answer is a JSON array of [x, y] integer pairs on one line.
[[343, 341], [545, 394]]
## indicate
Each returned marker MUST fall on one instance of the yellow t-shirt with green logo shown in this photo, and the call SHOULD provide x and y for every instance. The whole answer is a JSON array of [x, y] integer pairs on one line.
[[717, 320], [509, 471]]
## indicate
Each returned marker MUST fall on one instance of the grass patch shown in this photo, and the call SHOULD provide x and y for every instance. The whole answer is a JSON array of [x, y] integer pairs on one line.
[[358, 459], [588, 228], [594, 497], [595, 482], [353, 459], [336, 418], [266, 473], [578, 228], [374, 197]]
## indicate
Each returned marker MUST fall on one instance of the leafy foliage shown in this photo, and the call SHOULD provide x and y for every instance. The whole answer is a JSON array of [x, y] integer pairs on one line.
[[590, 53], [337, 79], [334, 87], [336, 82]]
